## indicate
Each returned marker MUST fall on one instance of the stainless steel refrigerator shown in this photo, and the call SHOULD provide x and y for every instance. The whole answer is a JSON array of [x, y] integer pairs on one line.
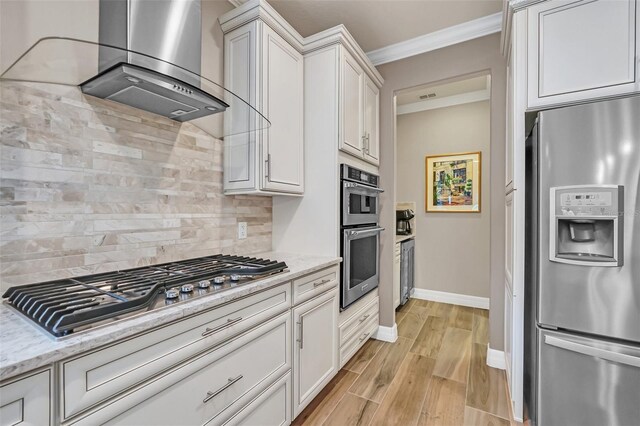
[[582, 269]]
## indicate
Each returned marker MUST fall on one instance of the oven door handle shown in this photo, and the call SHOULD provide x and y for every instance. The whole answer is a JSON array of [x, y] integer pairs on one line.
[[366, 231], [363, 187]]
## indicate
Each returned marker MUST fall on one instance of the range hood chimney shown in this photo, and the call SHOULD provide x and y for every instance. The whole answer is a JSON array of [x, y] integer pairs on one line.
[[169, 30]]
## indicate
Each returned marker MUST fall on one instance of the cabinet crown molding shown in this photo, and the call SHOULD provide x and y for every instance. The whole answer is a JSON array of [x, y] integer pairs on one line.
[[509, 8], [260, 9]]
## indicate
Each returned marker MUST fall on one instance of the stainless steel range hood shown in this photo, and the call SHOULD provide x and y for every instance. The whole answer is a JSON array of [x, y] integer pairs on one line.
[[145, 61], [169, 30]]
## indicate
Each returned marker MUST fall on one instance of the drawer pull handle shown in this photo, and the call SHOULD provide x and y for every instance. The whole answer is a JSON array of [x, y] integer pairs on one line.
[[229, 322], [364, 337], [323, 282], [222, 389], [365, 317], [301, 339]]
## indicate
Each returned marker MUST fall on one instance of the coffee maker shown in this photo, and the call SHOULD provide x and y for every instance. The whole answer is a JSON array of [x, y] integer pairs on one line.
[[403, 224]]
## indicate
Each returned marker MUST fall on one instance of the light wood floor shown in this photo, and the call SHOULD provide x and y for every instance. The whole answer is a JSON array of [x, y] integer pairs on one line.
[[435, 374]]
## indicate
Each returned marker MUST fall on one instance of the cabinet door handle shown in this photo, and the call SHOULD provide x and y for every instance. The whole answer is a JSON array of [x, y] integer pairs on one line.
[[268, 166], [230, 382], [323, 282], [365, 317], [368, 143], [301, 339], [364, 337], [229, 322]]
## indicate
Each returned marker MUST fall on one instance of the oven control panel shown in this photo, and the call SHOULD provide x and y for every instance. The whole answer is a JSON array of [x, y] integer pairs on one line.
[[351, 173]]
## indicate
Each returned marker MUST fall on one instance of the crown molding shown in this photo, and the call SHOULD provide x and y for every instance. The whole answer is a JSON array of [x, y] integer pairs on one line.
[[455, 34], [340, 35], [237, 3], [447, 101], [259, 9]]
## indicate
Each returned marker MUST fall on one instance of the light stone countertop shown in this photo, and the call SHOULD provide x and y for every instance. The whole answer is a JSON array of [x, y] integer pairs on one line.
[[401, 238], [24, 346]]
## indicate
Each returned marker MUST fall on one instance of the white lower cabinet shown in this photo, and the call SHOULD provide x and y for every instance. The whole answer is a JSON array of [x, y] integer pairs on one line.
[[315, 357], [357, 329], [271, 407], [258, 360], [26, 401], [209, 388]]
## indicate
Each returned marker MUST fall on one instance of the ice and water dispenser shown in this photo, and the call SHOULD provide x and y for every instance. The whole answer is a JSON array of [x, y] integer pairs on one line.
[[586, 225]]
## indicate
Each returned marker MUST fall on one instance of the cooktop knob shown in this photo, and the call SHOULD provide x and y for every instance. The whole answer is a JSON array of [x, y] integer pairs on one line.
[[172, 293], [186, 288], [218, 280], [235, 277], [204, 284]]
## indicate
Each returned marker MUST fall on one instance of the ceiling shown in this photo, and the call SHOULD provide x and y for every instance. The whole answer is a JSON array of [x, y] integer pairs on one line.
[[449, 89], [379, 23]]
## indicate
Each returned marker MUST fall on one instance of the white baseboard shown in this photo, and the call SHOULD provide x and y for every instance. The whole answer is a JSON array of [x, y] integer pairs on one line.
[[495, 358], [387, 334], [453, 298]]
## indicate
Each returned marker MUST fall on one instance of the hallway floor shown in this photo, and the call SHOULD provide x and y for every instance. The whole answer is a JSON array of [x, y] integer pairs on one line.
[[434, 374]]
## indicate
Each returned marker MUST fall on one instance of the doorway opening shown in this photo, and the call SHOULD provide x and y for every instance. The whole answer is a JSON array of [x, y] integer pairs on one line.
[[443, 153]]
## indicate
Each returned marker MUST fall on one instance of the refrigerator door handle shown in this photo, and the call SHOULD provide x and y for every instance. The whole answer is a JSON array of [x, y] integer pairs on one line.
[[592, 351]]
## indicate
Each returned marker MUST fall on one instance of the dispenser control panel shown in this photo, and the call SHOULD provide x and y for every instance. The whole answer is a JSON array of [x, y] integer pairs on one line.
[[587, 201]]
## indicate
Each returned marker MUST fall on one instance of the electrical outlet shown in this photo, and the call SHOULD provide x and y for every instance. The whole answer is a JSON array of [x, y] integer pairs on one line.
[[242, 230]]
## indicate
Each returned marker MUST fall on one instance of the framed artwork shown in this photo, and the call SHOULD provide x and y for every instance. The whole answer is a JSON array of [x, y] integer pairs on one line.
[[453, 183]]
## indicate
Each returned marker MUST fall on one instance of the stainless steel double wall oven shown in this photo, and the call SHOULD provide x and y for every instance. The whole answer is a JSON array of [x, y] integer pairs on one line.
[[360, 208]]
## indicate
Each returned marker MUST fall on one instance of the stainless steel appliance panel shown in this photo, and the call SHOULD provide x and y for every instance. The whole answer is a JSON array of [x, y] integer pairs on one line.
[[407, 269], [359, 204], [594, 144], [587, 381], [360, 268]]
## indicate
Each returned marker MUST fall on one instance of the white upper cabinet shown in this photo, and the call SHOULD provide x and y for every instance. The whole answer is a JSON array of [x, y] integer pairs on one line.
[[265, 70], [360, 111], [283, 104], [371, 121], [581, 50], [351, 96]]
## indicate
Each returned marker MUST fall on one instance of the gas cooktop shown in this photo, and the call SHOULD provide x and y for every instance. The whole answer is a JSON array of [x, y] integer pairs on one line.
[[67, 306]]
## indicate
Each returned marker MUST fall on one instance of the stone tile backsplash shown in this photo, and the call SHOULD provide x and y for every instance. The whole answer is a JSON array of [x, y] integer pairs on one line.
[[88, 186]]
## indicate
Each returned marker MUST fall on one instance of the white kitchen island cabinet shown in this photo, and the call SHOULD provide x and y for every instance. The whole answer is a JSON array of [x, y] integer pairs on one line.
[[26, 401], [582, 50], [265, 69], [360, 111], [210, 388], [315, 357]]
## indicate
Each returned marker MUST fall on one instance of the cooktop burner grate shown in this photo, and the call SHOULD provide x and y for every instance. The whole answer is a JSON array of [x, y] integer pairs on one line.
[[66, 305]]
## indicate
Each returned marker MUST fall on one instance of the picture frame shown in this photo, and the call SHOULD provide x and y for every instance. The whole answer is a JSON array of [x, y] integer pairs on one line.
[[453, 183]]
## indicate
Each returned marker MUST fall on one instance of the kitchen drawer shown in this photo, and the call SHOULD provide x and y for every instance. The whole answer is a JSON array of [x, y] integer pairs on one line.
[[209, 388], [358, 339], [27, 400], [352, 325], [271, 407], [309, 286], [90, 379]]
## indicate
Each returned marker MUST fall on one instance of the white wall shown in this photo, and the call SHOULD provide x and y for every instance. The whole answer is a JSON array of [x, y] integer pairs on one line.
[[452, 249]]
